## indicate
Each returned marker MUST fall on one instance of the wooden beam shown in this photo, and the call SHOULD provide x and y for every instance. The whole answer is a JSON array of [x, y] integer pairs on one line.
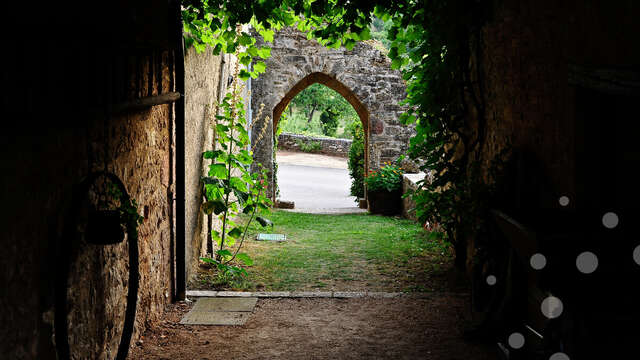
[[146, 102]]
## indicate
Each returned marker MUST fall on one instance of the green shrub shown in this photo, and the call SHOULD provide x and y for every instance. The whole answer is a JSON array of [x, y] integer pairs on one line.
[[329, 121], [356, 159], [388, 178], [311, 146]]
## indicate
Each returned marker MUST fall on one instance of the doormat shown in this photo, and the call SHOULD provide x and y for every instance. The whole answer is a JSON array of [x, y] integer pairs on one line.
[[271, 237]]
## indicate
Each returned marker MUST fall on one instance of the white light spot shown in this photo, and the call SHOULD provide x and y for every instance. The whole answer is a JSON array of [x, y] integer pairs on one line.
[[538, 261], [587, 262], [516, 340], [636, 254], [564, 200], [610, 220], [551, 307], [559, 356], [491, 280]]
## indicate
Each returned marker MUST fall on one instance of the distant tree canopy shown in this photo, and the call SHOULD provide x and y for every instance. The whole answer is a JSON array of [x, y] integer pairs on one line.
[[334, 112], [379, 30]]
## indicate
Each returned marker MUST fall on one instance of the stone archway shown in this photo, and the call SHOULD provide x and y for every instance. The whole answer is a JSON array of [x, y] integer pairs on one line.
[[363, 76]]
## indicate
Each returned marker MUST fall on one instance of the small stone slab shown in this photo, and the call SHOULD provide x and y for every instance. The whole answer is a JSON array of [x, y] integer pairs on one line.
[[271, 237], [202, 293], [215, 318], [220, 311], [311, 294], [270, 294], [348, 294], [225, 304], [234, 294]]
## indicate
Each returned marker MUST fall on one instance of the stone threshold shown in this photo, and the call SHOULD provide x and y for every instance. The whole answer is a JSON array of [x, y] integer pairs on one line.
[[319, 294]]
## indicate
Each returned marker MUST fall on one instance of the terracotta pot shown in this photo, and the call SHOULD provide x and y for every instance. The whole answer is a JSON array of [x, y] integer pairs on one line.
[[385, 202]]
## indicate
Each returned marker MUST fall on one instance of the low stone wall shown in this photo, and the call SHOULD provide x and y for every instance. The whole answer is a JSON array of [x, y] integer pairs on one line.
[[328, 146]]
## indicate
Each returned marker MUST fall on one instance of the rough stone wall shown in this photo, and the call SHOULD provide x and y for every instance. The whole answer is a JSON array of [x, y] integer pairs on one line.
[[528, 50], [138, 152], [202, 87], [99, 276], [362, 75], [329, 146], [526, 86], [208, 79], [43, 159]]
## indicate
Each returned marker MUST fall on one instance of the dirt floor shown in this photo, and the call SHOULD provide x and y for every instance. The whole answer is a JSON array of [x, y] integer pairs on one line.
[[305, 328]]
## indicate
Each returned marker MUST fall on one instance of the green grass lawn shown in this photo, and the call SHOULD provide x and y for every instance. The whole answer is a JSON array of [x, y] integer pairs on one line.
[[344, 252]]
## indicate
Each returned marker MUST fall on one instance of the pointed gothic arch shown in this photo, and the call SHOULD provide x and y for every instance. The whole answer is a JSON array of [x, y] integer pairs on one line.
[[363, 76], [340, 88]]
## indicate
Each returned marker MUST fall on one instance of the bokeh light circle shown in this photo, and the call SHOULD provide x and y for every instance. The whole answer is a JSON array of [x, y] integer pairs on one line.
[[587, 262], [564, 200], [610, 220], [538, 261], [516, 340], [559, 356], [551, 307]]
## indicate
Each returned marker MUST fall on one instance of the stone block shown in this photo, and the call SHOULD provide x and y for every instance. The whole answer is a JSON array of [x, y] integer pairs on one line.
[[215, 318], [225, 304], [349, 294], [311, 294], [283, 204], [234, 294]]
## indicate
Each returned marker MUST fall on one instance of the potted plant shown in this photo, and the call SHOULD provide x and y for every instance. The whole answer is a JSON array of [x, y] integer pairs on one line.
[[384, 190]]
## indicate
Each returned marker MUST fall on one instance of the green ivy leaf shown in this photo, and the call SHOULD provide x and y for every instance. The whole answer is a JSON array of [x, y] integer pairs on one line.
[[245, 157], [365, 34], [212, 154], [224, 253], [264, 52], [245, 60], [215, 206], [245, 259], [244, 75], [236, 232], [349, 44], [217, 49], [248, 209], [253, 51], [259, 66], [267, 35], [208, 260], [396, 63], [238, 184], [245, 39], [218, 171]]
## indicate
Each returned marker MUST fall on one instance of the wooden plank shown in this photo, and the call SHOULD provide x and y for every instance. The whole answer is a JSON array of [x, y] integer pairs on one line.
[[146, 102]]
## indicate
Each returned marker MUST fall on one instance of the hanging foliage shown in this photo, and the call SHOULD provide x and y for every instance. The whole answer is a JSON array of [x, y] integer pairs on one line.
[[437, 46]]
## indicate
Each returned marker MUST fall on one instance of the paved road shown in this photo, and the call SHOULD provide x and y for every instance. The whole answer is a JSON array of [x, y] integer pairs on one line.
[[316, 183]]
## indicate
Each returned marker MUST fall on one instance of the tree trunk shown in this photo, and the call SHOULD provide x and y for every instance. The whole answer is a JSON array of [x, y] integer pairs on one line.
[[313, 110]]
